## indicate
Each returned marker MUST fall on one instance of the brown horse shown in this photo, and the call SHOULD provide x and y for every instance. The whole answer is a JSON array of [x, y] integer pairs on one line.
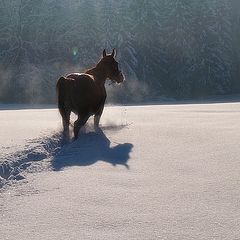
[[85, 93]]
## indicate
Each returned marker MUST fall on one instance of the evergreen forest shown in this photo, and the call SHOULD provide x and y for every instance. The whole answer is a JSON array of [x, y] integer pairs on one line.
[[181, 49]]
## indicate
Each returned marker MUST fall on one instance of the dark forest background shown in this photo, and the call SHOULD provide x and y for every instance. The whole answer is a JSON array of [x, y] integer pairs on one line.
[[181, 49]]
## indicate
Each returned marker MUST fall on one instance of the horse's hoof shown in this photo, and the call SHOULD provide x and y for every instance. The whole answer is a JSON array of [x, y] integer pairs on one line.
[[75, 138], [98, 130]]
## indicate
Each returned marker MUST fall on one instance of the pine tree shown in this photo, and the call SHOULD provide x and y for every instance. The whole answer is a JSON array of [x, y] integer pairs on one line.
[[235, 22], [106, 23], [147, 20], [223, 26], [85, 46], [213, 71], [179, 43]]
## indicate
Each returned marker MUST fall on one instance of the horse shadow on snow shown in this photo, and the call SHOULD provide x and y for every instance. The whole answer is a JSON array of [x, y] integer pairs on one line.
[[90, 148], [57, 153]]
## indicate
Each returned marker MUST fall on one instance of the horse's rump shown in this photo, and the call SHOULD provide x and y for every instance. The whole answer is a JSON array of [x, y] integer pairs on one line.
[[77, 91], [74, 81]]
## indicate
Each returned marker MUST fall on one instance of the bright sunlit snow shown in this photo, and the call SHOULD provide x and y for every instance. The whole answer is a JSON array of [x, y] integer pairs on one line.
[[154, 172]]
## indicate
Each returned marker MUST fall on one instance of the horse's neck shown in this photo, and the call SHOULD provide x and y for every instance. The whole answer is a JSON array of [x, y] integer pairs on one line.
[[99, 75]]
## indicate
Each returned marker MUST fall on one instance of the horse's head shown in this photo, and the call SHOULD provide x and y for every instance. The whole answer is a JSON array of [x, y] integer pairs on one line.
[[110, 65]]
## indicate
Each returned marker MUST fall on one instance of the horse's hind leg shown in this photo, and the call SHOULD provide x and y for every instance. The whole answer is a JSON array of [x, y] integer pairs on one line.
[[65, 119], [78, 124]]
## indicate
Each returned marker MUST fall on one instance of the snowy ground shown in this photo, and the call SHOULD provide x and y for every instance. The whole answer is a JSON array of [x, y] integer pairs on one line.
[[155, 172]]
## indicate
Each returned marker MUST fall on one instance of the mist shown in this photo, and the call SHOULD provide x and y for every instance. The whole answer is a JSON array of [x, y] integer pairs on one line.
[[166, 49]]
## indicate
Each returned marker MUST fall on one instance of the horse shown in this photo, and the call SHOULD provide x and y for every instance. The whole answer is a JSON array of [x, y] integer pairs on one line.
[[85, 93]]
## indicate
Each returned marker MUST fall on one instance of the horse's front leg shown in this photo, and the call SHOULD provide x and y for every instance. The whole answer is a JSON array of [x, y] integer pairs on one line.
[[96, 121], [97, 117], [78, 124]]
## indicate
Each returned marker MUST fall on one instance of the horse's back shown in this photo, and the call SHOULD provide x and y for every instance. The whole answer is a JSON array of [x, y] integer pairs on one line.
[[76, 82], [83, 77]]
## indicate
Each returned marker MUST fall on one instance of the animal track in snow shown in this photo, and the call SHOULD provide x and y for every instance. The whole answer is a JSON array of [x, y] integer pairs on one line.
[[40, 149]]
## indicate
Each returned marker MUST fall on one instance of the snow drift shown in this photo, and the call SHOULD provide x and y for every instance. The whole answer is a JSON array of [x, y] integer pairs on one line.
[[154, 172]]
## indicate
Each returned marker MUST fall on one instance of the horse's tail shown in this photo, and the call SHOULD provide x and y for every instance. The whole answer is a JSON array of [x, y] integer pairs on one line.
[[60, 92]]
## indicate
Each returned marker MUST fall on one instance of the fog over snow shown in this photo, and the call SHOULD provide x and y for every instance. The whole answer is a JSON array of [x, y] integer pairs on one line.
[[154, 172]]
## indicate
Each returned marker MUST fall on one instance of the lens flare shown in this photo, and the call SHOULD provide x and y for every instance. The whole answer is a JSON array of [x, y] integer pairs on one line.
[[74, 51]]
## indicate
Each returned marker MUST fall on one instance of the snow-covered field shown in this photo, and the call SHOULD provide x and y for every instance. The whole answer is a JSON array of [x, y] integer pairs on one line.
[[154, 172]]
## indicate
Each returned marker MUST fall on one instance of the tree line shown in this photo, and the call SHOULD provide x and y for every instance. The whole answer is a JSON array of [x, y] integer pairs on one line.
[[179, 48]]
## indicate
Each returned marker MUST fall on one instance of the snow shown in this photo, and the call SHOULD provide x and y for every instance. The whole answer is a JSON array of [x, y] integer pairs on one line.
[[154, 172]]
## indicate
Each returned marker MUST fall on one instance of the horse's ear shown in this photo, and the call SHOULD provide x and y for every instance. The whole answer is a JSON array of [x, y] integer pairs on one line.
[[113, 53], [104, 53]]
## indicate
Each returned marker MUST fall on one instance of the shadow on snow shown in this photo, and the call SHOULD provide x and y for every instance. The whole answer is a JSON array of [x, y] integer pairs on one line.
[[55, 151], [90, 148]]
